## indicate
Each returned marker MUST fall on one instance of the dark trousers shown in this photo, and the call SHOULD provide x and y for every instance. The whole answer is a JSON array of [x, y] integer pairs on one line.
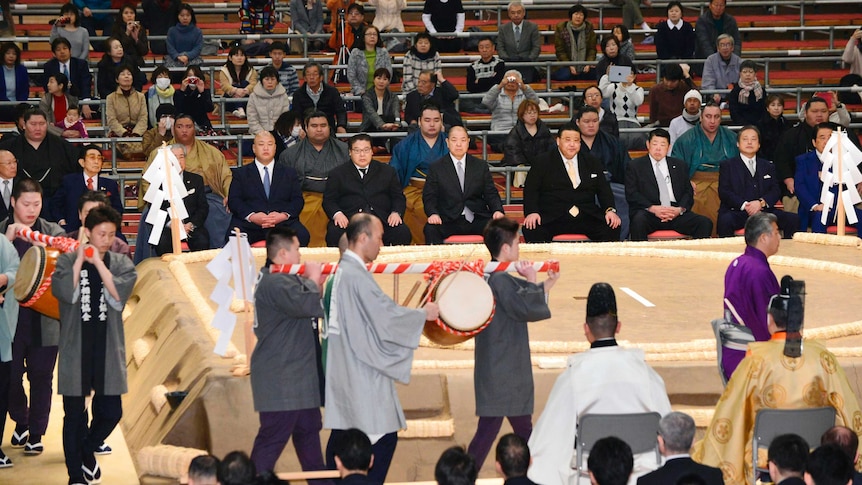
[[486, 434], [593, 225], [80, 440], [819, 227], [5, 374], [277, 427], [383, 451], [38, 362], [198, 240], [644, 222], [392, 235], [730, 221], [437, 233], [256, 233]]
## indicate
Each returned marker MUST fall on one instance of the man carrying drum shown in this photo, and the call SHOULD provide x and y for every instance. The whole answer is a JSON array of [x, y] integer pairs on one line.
[[36, 336], [503, 373]]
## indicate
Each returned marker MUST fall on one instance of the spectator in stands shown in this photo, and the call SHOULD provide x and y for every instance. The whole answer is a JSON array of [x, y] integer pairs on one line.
[[689, 117], [772, 125], [267, 101], [632, 16], [92, 21], [126, 110], [666, 98], [422, 56], [203, 470], [195, 99], [353, 457], [109, 66], [853, 53], [675, 436], [713, 23], [575, 41], [257, 16], [132, 35], [161, 92], [485, 73], [722, 68], [503, 100], [306, 17], [88, 201], [64, 205], [794, 142], [387, 15], [334, 6], [674, 38], [7, 22], [528, 139], [611, 56], [72, 125], [287, 132], [846, 439], [237, 79], [788, 458], [15, 82], [76, 70], [354, 28], [18, 130], [747, 99], [609, 124], [519, 41], [610, 461], [381, 109], [317, 95], [625, 99], [444, 16], [160, 132], [236, 468], [365, 61], [455, 467], [68, 25], [624, 39], [432, 87], [185, 40], [513, 459], [828, 465], [159, 16], [55, 101], [286, 73]]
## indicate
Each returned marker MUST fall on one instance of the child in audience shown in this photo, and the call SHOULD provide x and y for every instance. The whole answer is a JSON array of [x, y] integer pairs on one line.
[[72, 122]]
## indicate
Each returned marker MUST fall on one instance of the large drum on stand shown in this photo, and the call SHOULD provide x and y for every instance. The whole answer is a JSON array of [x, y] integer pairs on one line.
[[466, 308], [33, 281]]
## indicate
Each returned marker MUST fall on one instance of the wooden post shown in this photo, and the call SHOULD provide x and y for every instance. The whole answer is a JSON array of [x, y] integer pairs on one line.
[[248, 328], [175, 222], [839, 210]]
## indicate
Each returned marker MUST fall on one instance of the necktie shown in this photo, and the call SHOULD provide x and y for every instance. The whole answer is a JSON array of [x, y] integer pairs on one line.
[[363, 172], [468, 214], [518, 35], [89, 183], [65, 70], [752, 167], [7, 194], [573, 174], [266, 181], [663, 192]]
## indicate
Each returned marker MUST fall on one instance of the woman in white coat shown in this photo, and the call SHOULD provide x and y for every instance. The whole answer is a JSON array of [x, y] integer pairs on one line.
[[267, 101]]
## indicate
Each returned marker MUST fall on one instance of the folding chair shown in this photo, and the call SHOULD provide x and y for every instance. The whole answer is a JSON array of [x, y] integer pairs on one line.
[[810, 424], [639, 431]]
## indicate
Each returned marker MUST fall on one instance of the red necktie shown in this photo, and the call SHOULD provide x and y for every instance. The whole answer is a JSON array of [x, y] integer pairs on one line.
[[90, 183]]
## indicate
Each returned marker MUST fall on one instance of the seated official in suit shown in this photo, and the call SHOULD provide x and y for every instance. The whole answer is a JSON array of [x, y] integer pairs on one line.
[[747, 184], [675, 436], [196, 206], [659, 193], [459, 195], [788, 458], [264, 194], [65, 201], [8, 172], [364, 185], [443, 94], [561, 190]]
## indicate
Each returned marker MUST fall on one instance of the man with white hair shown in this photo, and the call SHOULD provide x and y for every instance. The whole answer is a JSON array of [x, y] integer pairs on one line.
[[519, 41], [675, 436], [689, 117], [721, 70]]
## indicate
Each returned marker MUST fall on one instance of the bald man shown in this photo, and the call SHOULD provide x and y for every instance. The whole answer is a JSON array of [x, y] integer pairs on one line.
[[265, 194]]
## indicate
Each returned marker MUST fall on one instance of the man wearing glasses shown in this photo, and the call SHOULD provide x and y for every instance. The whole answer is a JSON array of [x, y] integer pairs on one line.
[[64, 204]]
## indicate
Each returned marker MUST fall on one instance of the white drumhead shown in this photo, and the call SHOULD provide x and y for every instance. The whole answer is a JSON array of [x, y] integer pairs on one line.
[[465, 300]]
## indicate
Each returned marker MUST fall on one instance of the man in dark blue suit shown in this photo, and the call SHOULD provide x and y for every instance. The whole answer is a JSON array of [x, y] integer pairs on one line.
[[675, 435], [77, 70], [748, 184], [264, 194], [8, 171], [64, 203]]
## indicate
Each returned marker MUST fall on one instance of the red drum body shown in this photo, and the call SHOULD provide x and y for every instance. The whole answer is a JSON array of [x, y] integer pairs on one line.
[[33, 281]]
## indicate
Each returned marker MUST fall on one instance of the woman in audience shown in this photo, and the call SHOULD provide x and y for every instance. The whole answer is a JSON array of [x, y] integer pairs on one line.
[[268, 100], [131, 34], [611, 56], [185, 40], [853, 53], [527, 141], [624, 40], [287, 131], [159, 16], [387, 14], [56, 100], [422, 56], [503, 100], [113, 57], [306, 17], [365, 62], [15, 82], [381, 109], [444, 16], [161, 92], [747, 99], [675, 37], [126, 111], [68, 25], [575, 41], [625, 99], [194, 99], [237, 79], [772, 125]]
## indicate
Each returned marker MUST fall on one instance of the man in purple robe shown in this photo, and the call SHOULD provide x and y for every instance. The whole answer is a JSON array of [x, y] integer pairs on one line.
[[749, 283]]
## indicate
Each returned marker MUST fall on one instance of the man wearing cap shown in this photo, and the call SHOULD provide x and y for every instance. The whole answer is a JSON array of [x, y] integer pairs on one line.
[[606, 379], [154, 137], [689, 117]]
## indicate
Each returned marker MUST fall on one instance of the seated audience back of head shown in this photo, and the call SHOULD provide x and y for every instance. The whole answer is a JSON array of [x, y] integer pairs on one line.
[[236, 469], [455, 467], [788, 456], [203, 470], [353, 453], [513, 456], [610, 462], [828, 465]]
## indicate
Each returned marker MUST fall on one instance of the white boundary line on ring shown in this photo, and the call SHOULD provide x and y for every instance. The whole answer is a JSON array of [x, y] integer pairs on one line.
[[633, 294]]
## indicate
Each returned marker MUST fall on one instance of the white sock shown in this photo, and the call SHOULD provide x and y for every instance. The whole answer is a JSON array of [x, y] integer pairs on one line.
[[645, 26]]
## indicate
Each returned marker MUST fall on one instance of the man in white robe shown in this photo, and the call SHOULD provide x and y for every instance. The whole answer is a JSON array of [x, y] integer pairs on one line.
[[370, 344], [606, 379]]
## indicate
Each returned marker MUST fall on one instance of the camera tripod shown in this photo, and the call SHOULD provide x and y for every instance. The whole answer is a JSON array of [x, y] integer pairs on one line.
[[340, 74]]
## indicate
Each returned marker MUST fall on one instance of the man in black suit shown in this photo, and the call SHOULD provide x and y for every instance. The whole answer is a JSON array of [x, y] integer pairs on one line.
[[561, 190], [788, 459], [675, 436], [654, 207], [459, 194], [64, 204], [197, 208], [845, 439], [365, 185], [264, 194], [513, 459], [747, 184], [77, 70], [328, 100], [8, 171], [430, 86]]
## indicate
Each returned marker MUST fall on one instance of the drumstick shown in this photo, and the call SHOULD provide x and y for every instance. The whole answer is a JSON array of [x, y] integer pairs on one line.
[[411, 293], [454, 275]]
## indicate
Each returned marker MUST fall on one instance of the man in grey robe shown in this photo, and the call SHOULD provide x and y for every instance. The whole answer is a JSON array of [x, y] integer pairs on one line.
[[370, 344]]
